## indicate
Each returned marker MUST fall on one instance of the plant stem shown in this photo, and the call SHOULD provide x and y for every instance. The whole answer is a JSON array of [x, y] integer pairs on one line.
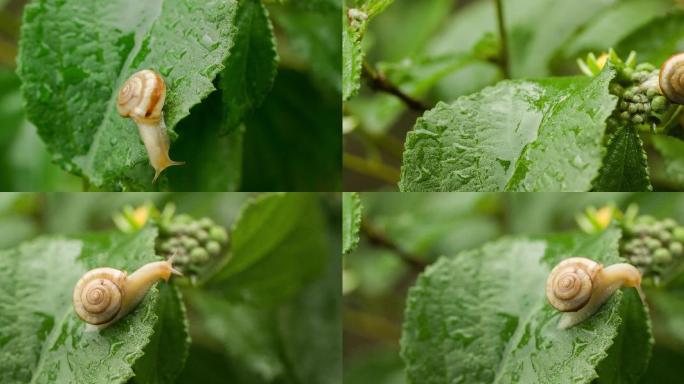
[[371, 168], [504, 60], [377, 238], [379, 82]]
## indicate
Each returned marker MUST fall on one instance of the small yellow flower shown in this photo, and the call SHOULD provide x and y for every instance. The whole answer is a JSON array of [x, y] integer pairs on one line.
[[602, 60], [141, 215], [604, 216]]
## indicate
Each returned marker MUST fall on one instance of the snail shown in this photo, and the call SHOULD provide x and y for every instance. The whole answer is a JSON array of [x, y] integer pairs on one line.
[[142, 98], [102, 296], [671, 79], [578, 286]]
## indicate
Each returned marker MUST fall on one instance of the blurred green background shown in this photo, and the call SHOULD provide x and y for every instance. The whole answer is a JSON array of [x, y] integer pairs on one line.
[[293, 341], [25, 164], [402, 233], [439, 50]]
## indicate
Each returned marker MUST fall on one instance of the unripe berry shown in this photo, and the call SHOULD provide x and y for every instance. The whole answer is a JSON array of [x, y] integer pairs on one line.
[[662, 256]]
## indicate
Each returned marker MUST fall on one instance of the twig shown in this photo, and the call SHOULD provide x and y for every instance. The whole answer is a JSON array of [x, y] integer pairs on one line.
[[504, 60], [371, 168], [377, 238], [379, 82]]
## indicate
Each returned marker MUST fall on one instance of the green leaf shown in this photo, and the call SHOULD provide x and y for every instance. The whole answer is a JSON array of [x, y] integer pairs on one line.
[[415, 77], [431, 225], [278, 244], [536, 29], [71, 74], [351, 221], [292, 143], [168, 348], [672, 151], [43, 340], [276, 343], [612, 25], [352, 59], [251, 64], [246, 332], [313, 41], [523, 135], [355, 20], [212, 151], [316, 310], [623, 365], [624, 165], [657, 40], [318, 4], [483, 316]]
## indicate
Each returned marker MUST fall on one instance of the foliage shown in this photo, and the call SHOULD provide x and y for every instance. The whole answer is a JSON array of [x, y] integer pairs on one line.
[[219, 61], [457, 66], [280, 298], [473, 309], [351, 221]]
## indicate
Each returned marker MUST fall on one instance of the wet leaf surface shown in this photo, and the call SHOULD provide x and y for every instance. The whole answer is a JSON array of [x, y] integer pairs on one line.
[[483, 316], [521, 135], [42, 338], [74, 56]]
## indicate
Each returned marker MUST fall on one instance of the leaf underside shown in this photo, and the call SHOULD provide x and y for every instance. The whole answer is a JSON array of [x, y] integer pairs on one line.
[[522, 135]]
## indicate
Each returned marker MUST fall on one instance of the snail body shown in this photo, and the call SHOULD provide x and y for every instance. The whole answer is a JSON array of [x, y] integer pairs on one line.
[[579, 286], [671, 79], [142, 98], [102, 296]]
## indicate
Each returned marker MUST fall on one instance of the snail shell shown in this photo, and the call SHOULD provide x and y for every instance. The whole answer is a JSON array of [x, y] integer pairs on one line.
[[104, 295], [671, 79], [98, 295], [569, 285], [142, 98], [579, 286]]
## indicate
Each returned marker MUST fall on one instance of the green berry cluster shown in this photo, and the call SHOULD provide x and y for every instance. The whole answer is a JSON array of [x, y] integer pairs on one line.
[[192, 242], [640, 102], [653, 245]]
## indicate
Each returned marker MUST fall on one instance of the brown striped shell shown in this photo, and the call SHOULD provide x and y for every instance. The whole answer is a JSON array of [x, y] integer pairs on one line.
[[671, 79], [569, 285], [142, 96], [98, 295]]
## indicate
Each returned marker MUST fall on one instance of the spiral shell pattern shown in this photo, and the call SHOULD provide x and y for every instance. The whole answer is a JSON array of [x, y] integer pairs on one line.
[[569, 286], [98, 295], [142, 96], [671, 79]]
